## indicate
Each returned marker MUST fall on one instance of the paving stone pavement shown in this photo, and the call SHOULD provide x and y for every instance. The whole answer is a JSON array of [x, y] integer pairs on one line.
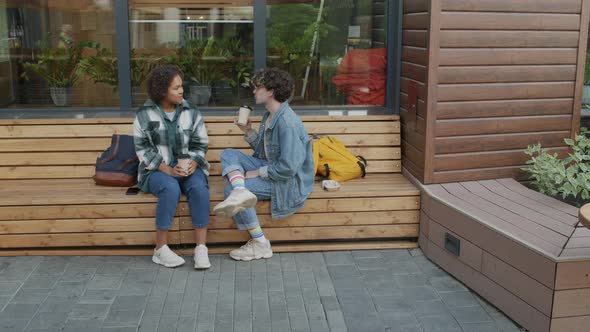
[[373, 290]]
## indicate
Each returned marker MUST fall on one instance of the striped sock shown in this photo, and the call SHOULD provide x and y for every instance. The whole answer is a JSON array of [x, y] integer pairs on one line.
[[237, 181], [257, 235]]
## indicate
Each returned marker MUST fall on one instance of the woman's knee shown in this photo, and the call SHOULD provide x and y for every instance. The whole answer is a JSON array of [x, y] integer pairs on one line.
[[229, 155], [169, 189]]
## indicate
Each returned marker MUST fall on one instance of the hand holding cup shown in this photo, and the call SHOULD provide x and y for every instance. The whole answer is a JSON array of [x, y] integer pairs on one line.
[[184, 162]]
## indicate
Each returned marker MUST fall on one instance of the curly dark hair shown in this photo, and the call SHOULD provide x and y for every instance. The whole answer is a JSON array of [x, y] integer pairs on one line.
[[159, 81], [276, 80]]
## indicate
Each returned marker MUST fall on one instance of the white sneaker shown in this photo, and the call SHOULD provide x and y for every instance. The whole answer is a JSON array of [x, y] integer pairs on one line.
[[165, 256], [238, 200], [252, 250], [202, 257]]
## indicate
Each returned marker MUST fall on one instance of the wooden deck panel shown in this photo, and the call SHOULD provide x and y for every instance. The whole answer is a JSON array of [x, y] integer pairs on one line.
[[470, 254], [465, 222], [519, 310], [530, 230], [537, 196], [512, 228]]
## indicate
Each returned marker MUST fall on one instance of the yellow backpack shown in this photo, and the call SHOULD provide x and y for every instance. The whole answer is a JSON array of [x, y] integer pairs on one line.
[[332, 160]]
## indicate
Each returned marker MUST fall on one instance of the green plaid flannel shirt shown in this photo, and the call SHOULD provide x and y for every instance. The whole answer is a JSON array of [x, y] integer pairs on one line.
[[159, 139]]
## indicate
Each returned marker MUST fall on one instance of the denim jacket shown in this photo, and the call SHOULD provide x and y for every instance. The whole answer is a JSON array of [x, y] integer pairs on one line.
[[290, 161]]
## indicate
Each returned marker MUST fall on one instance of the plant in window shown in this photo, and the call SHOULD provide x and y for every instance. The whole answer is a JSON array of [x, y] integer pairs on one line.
[[58, 67], [103, 68], [293, 30], [568, 178], [205, 62]]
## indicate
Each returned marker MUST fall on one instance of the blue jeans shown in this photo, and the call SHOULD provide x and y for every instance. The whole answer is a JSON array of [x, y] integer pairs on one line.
[[168, 189], [234, 160]]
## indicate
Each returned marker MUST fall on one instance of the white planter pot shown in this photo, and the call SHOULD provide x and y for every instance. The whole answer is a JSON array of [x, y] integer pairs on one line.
[[61, 96], [586, 95], [200, 94]]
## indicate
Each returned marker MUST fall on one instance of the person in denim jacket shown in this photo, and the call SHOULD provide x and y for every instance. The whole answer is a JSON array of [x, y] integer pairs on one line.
[[281, 168]]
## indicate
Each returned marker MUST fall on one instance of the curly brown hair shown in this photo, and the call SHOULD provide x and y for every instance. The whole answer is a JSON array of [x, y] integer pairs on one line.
[[159, 81], [276, 80]]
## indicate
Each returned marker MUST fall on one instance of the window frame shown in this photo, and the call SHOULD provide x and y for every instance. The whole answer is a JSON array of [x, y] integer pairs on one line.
[[393, 11]]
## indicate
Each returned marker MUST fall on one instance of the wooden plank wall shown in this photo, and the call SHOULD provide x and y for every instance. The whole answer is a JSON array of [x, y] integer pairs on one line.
[[379, 25], [509, 74], [414, 72]]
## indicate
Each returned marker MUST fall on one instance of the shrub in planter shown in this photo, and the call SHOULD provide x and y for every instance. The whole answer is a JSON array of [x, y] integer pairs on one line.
[[568, 178], [58, 67]]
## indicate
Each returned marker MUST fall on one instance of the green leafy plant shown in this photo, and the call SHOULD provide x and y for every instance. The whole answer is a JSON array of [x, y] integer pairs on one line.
[[587, 70], [103, 67], [568, 178], [141, 66], [57, 66], [205, 61], [290, 37]]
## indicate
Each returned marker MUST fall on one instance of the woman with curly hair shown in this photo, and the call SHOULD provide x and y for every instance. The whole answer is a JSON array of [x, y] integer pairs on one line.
[[167, 128], [281, 168]]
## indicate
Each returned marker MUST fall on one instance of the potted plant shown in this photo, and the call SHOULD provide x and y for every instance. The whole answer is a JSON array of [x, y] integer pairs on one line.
[[566, 179], [141, 66], [58, 67], [292, 52], [203, 61], [103, 68]]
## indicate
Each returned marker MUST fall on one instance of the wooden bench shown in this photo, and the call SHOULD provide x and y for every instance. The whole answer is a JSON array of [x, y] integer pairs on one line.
[[50, 205], [524, 252]]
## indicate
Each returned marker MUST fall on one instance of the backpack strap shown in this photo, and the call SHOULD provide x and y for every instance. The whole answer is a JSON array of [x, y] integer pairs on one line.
[[362, 164], [127, 162], [115, 150], [327, 168]]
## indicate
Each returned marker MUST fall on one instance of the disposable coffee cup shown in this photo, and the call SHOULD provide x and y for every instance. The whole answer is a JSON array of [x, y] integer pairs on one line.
[[243, 114], [184, 162]]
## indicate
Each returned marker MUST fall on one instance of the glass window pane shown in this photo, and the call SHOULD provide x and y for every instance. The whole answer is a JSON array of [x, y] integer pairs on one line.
[[57, 53], [334, 49], [212, 43]]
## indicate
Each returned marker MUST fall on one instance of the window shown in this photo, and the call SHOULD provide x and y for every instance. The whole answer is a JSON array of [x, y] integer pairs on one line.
[[73, 55], [49, 51], [334, 49], [212, 44]]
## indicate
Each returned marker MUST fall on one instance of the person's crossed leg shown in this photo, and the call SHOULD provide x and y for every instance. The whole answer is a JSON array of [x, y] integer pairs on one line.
[[241, 195]]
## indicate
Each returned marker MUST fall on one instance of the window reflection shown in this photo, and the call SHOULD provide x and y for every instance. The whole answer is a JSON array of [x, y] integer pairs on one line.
[[212, 44], [42, 47], [335, 50]]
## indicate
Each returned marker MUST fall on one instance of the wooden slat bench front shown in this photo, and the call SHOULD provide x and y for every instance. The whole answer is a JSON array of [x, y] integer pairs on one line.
[[49, 203], [523, 251]]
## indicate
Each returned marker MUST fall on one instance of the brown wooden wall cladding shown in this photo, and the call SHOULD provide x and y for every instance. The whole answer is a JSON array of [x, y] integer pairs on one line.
[[414, 72], [508, 74]]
